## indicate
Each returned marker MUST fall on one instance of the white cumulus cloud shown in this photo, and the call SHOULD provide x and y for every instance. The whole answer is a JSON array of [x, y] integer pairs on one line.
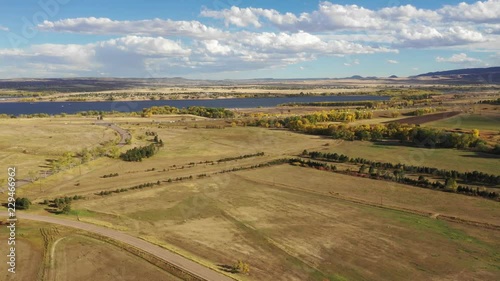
[[461, 58], [151, 27], [426, 36], [481, 11], [403, 26]]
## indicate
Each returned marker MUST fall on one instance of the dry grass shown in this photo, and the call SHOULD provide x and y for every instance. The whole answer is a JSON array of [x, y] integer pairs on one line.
[[304, 235], [83, 258], [451, 159], [379, 192], [281, 220], [27, 143], [181, 148], [29, 252]]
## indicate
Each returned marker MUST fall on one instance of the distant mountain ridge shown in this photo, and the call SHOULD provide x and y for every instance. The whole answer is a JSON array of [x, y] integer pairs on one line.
[[489, 75], [464, 71]]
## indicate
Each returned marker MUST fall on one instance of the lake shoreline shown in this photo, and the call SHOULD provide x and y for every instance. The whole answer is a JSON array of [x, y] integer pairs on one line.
[[59, 107]]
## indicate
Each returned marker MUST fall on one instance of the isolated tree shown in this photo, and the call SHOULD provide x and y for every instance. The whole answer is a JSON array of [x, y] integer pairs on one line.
[[475, 133], [23, 203], [241, 267], [451, 184], [114, 152]]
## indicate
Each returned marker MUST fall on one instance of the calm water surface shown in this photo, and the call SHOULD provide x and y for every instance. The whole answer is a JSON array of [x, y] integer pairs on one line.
[[17, 108]]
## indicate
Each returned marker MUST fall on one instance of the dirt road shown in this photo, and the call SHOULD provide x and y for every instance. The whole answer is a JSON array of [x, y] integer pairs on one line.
[[124, 134], [164, 254]]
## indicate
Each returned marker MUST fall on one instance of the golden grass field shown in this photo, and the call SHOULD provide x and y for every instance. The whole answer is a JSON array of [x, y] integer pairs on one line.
[[29, 252], [28, 143], [70, 255], [286, 222], [289, 228], [82, 258]]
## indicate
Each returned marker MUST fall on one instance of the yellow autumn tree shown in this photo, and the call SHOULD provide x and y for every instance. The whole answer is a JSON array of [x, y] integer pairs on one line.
[[475, 133]]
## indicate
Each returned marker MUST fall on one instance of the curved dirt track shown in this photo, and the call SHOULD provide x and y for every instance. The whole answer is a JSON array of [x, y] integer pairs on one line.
[[196, 269], [124, 134]]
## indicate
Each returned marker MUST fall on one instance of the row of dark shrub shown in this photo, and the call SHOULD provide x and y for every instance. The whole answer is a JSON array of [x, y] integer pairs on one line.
[[467, 177], [110, 175], [241, 157], [119, 190], [136, 154], [177, 179], [399, 177], [62, 201], [268, 164]]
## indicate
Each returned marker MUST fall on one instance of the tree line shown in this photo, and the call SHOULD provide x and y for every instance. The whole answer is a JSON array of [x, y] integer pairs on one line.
[[405, 133], [110, 175], [241, 157], [136, 154], [466, 177], [119, 190], [365, 104], [494, 102], [62, 204], [299, 123], [71, 159], [209, 112], [398, 175]]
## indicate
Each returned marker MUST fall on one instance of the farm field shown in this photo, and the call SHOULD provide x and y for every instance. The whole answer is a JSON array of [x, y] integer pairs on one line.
[[70, 255], [185, 146], [181, 148], [250, 140], [378, 192], [439, 158], [83, 258], [417, 120], [205, 203], [29, 252], [304, 234], [469, 122], [28, 143]]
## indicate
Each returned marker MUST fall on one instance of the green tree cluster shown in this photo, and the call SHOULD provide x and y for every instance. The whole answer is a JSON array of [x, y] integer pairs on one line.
[[136, 154]]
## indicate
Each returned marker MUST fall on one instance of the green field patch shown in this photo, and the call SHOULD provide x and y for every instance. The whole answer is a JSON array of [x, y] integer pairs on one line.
[[440, 158], [469, 122], [82, 213], [193, 207], [426, 225]]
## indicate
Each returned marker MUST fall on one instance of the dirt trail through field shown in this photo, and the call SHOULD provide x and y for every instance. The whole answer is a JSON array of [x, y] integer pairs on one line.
[[124, 134], [176, 260]]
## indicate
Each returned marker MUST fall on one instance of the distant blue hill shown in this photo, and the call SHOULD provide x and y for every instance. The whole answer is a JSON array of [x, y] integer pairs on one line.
[[468, 75]]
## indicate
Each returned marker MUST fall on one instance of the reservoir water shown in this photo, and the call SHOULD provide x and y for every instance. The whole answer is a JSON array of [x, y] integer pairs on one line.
[[16, 108]]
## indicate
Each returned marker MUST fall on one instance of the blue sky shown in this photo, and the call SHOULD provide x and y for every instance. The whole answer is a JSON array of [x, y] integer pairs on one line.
[[222, 39]]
